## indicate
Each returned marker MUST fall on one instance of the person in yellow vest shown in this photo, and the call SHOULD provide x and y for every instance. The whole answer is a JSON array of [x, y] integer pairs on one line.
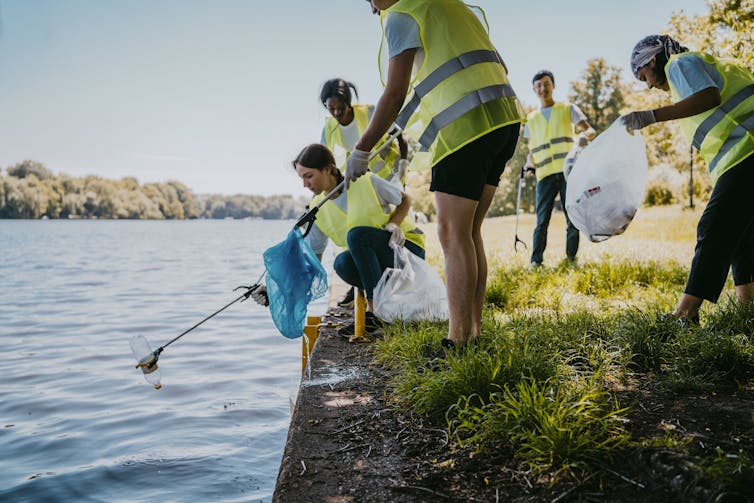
[[345, 125], [364, 220], [341, 132], [466, 119], [714, 99], [550, 131]]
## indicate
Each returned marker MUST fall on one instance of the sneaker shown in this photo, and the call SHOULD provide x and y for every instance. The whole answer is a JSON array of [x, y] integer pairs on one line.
[[347, 300], [446, 345], [373, 327]]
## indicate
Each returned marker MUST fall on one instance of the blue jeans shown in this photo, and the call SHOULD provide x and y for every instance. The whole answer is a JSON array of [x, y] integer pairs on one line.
[[547, 189], [367, 257]]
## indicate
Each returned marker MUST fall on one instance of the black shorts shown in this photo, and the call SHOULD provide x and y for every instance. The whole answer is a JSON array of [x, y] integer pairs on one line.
[[466, 171]]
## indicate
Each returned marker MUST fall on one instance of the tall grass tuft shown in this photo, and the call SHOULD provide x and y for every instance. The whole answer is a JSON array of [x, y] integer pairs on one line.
[[546, 424]]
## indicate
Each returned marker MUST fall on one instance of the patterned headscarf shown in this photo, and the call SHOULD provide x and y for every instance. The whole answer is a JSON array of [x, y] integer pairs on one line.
[[651, 46]]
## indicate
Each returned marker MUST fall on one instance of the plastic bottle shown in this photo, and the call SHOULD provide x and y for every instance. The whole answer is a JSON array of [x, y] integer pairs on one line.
[[146, 360]]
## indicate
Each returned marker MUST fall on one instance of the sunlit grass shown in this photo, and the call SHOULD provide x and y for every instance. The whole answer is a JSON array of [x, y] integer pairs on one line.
[[557, 342]]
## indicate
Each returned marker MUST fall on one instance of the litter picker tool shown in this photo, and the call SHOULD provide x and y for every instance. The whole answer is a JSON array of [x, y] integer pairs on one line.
[[518, 208], [291, 265]]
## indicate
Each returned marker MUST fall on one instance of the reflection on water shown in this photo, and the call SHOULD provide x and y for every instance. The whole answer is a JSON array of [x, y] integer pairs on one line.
[[78, 421]]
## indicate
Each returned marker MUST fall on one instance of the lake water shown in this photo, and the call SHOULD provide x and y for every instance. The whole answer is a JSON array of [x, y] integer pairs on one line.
[[79, 423]]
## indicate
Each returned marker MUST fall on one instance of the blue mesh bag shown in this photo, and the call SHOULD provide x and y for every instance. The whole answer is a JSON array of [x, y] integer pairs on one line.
[[295, 277]]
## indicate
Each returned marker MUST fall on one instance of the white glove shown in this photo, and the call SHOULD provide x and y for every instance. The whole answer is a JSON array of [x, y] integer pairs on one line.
[[356, 165], [259, 294], [397, 238], [638, 120]]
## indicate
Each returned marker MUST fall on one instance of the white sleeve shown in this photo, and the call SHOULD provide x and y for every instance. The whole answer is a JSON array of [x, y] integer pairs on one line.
[[386, 191], [576, 114], [317, 240]]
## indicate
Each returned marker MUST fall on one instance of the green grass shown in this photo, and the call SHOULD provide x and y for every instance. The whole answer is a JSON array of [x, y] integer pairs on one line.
[[555, 345]]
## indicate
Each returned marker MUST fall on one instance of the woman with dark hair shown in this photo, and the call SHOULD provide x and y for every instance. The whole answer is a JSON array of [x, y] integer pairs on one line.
[[714, 99], [365, 220], [345, 125]]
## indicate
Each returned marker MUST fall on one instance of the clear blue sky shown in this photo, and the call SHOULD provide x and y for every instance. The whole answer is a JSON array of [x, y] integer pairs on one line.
[[222, 94]]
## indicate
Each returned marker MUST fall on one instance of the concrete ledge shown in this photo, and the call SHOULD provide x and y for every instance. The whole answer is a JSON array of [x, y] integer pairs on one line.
[[341, 446]]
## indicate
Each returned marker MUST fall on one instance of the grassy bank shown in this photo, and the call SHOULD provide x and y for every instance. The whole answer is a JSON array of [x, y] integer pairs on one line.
[[569, 355]]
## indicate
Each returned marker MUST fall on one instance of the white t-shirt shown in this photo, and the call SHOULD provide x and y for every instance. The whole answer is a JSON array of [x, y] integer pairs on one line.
[[576, 116], [388, 194]]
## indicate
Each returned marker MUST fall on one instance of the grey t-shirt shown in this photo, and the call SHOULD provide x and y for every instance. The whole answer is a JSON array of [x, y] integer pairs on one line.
[[402, 33], [388, 194]]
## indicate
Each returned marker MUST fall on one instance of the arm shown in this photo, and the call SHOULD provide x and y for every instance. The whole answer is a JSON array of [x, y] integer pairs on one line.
[[589, 132], [401, 211], [389, 104], [699, 102], [695, 104], [393, 226]]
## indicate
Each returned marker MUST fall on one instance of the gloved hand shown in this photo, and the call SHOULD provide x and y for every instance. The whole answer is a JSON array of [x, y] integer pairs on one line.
[[397, 238], [583, 141], [259, 294], [356, 165], [528, 168], [638, 120]]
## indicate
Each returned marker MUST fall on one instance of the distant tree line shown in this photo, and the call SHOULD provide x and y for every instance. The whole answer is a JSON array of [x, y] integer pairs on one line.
[[30, 190]]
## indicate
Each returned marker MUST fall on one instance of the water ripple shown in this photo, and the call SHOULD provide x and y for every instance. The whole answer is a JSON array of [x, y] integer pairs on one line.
[[79, 421]]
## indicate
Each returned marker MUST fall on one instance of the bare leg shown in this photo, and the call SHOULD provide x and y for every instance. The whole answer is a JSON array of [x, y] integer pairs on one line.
[[745, 293], [688, 307], [455, 217], [481, 259]]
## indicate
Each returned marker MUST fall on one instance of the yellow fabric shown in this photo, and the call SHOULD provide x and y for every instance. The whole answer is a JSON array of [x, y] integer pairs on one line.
[[725, 134], [448, 30], [364, 209], [331, 220], [382, 164], [550, 141]]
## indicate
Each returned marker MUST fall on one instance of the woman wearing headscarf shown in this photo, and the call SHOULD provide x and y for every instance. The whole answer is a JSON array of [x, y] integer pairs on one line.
[[714, 99]]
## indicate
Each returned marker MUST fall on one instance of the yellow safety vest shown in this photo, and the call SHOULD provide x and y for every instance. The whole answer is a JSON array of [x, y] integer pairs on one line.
[[724, 135], [461, 91], [550, 141], [364, 209], [382, 164], [331, 220]]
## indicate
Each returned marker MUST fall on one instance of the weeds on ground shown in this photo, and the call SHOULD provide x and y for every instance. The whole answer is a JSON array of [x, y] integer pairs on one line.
[[555, 342]]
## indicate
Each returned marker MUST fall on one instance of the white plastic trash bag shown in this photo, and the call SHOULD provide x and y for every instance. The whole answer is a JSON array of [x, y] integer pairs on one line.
[[410, 291], [607, 183]]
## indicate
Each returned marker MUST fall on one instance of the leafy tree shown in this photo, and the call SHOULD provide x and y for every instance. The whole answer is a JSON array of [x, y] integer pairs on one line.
[[599, 93], [27, 168]]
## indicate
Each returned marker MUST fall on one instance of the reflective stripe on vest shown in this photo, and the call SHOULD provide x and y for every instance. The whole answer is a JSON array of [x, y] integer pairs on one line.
[[383, 164], [461, 90], [364, 209], [441, 73], [723, 135], [551, 139]]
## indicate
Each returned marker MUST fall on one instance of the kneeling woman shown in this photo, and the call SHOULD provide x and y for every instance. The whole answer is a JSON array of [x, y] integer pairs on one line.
[[365, 220]]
